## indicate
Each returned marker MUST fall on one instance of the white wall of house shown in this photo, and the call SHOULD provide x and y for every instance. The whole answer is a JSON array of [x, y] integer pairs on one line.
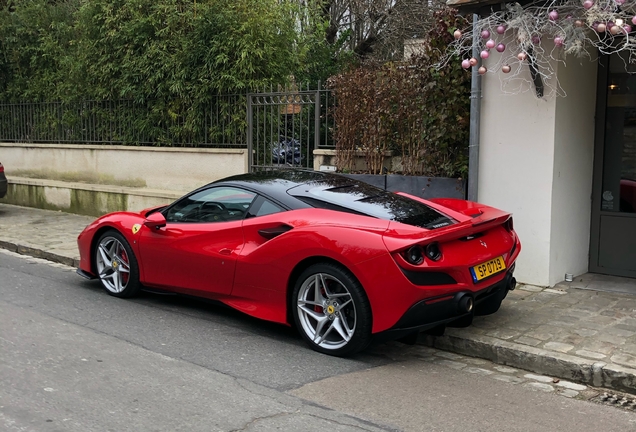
[[536, 162], [573, 163]]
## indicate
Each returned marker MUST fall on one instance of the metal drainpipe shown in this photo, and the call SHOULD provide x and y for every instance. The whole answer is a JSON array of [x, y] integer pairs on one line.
[[475, 114]]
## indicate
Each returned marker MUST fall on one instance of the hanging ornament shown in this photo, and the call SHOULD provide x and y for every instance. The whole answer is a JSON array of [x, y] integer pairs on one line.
[[484, 54], [600, 28], [501, 47], [558, 41], [634, 20], [466, 63], [615, 30], [457, 34], [485, 34], [490, 44], [522, 56], [536, 40], [473, 61], [619, 2], [482, 70], [627, 28], [587, 4], [505, 68], [501, 29], [554, 15], [578, 23]]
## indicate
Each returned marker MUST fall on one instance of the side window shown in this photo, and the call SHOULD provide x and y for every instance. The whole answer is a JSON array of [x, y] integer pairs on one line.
[[217, 204], [268, 207]]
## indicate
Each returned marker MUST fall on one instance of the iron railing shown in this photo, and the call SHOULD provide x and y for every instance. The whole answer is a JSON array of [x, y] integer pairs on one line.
[[224, 121], [219, 123]]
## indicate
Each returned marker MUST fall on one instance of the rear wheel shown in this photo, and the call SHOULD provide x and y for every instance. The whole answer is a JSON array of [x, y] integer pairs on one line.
[[331, 310], [116, 265]]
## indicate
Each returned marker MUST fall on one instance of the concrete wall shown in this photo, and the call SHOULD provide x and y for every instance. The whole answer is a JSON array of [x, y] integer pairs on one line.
[[536, 161], [80, 198], [174, 169], [573, 163]]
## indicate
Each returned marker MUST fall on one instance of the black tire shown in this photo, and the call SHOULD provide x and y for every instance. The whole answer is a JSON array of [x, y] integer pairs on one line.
[[116, 265], [339, 322]]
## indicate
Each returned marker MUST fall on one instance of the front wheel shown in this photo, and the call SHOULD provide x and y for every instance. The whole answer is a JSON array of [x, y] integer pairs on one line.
[[331, 310], [116, 265]]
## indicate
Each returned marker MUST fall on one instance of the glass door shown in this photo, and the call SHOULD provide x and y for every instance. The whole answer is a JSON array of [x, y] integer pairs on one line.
[[614, 208]]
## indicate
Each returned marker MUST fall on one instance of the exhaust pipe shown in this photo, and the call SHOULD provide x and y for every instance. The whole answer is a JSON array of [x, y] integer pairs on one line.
[[513, 284], [465, 304]]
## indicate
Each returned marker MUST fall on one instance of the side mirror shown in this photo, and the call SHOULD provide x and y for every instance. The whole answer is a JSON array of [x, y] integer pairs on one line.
[[155, 221]]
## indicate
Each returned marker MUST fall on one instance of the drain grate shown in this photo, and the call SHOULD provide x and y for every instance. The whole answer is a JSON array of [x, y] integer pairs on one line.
[[617, 400]]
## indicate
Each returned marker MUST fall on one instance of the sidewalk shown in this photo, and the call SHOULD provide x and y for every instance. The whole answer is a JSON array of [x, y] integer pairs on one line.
[[564, 332]]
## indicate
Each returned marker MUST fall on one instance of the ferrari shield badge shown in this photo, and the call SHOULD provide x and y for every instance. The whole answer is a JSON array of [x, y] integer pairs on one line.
[[136, 228]]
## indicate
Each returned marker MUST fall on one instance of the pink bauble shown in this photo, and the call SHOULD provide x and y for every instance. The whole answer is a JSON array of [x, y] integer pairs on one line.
[[627, 28], [536, 40], [554, 15], [457, 34], [490, 44], [619, 2], [501, 29], [466, 64], [587, 4], [482, 70], [600, 28], [485, 34], [522, 56], [558, 41], [505, 68], [615, 30], [484, 54], [501, 48], [473, 61], [578, 23], [634, 20]]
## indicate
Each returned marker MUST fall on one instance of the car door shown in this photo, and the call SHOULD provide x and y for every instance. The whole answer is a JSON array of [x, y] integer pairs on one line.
[[195, 253]]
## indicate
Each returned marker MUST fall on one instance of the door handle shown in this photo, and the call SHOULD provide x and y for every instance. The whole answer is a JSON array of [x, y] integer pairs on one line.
[[225, 251], [270, 233]]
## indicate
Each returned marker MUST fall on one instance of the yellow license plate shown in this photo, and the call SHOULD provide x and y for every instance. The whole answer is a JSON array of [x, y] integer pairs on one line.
[[487, 269]]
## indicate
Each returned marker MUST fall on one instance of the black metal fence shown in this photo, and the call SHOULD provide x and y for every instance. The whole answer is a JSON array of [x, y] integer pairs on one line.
[[221, 122], [285, 126]]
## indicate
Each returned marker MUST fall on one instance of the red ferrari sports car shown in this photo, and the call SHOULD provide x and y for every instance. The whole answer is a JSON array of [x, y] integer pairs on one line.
[[344, 261]]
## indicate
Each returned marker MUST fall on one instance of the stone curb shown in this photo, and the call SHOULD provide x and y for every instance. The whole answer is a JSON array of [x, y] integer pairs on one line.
[[39, 253], [550, 363]]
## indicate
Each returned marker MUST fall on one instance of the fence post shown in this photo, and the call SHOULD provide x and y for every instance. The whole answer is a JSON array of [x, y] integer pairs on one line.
[[250, 135], [316, 127]]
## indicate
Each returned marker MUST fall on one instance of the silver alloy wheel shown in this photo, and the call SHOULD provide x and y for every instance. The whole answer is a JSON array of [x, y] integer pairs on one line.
[[113, 265], [326, 311]]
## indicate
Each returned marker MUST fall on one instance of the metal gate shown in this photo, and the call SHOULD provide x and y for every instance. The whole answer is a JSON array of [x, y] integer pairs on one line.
[[284, 128]]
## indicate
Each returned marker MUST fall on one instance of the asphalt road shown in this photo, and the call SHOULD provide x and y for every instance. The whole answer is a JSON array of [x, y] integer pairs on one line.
[[73, 358]]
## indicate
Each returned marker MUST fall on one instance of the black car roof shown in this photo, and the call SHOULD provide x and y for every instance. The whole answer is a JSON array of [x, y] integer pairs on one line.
[[276, 183]]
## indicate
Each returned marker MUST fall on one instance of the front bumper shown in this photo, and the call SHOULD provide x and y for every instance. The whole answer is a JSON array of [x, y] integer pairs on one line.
[[441, 311]]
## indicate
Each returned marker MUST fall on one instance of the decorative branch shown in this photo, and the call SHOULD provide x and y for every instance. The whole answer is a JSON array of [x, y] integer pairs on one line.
[[542, 34]]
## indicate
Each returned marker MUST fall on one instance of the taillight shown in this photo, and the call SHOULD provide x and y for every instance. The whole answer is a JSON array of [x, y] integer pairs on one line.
[[433, 251], [414, 255], [508, 225], [1, 168]]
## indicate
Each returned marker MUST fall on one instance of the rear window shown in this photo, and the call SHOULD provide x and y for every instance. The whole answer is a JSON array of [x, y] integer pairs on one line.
[[357, 197]]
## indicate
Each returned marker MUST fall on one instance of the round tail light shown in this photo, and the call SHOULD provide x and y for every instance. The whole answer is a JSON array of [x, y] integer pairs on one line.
[[414, 255], [433, 252]]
